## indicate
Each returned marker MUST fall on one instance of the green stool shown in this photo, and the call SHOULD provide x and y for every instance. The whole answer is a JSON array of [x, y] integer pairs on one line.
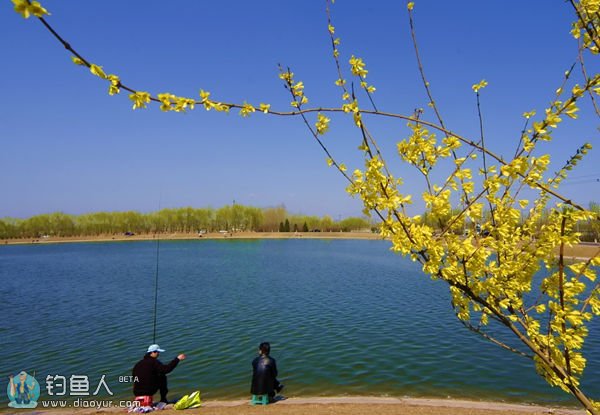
[[259, 400]]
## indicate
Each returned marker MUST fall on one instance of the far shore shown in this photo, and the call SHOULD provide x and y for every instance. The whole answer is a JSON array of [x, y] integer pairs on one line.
[[578, 252], [174, 236], [347, 405]]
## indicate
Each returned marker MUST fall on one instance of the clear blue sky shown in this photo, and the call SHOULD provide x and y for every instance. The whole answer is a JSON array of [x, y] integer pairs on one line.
[[68, 146]]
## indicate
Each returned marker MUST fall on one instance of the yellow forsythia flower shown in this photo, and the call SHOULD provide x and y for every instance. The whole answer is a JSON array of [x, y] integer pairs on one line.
[[590, 6], [571, 110], [247, 109], [115, 84], [410, 5], [265, 107], [357, 66], [140, 99], [204, 95], [77, 61], [287, 76], [26, 9], [98, 71], [480, 85], [322, 124]]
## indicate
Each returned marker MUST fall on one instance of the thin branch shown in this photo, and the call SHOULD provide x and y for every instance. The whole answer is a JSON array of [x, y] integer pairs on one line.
[[494, 340], [561, 291], [586, 77]]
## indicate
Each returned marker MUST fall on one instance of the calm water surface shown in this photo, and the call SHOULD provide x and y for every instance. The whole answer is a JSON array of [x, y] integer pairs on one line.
[[343, 317]]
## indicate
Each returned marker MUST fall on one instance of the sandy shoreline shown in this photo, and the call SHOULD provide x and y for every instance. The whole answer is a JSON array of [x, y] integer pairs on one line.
[[192, 236], [342, 405]]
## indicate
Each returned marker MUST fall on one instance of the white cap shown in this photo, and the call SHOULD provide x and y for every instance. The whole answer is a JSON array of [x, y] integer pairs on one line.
[[154, 348]]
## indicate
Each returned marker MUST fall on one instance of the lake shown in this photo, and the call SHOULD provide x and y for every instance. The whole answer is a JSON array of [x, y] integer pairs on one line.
[[344, 317]]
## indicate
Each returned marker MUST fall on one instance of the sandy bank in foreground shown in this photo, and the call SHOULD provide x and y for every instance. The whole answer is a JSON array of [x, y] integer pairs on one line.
[[347, 406]]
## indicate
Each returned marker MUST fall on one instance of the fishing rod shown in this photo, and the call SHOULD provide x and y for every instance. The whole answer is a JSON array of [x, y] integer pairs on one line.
[[156, 273]]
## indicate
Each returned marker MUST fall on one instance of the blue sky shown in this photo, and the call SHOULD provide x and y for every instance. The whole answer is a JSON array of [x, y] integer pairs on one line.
[[68, 146]]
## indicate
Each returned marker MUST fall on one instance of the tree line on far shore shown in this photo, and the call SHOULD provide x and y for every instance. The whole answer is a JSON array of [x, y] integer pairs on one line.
[[231, 218]]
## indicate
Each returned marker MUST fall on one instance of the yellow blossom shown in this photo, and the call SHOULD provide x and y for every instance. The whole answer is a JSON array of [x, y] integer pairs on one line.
[[298, 89], [26, 8], [98, 71], [246, 109], [357, 66], [571, 110], [322, 124], [287, 76], [204, 95], [77, 61], [115, 84], [140, 99], [480, 85]]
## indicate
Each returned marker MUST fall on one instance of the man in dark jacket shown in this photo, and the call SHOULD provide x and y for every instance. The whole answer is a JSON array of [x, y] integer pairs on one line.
[[150, 375], [264, 373]]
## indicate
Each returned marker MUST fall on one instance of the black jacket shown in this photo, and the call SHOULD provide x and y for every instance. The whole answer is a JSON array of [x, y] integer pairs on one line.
[[264, 375], [146, 374]]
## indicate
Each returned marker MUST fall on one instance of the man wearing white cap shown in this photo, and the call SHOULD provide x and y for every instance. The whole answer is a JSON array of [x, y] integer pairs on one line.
[[150, 375]]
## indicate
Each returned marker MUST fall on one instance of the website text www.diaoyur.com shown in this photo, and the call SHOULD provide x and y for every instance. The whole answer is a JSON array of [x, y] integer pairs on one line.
[[88, 403]]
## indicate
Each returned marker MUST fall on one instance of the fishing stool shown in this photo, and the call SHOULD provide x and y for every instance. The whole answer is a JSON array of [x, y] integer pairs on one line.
[[259, 400], [144, 400]]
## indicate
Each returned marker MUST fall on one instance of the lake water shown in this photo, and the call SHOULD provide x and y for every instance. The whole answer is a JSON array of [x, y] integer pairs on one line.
[[344, 317]]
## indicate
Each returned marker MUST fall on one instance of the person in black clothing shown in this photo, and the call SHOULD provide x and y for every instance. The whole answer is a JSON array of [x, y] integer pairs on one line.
[[264, 373], [150, 375]]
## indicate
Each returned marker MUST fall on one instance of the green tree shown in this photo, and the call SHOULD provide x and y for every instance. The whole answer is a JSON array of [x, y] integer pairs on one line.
[[354, 224], [255, 218], [9, 228], [223, 218], [273, 217], [326, 223]]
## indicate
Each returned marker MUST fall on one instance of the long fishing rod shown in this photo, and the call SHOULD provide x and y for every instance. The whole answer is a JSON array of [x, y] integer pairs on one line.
[[156, 274]]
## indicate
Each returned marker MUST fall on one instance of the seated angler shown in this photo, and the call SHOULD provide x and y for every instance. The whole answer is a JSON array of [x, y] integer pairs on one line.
[[150, 376]]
